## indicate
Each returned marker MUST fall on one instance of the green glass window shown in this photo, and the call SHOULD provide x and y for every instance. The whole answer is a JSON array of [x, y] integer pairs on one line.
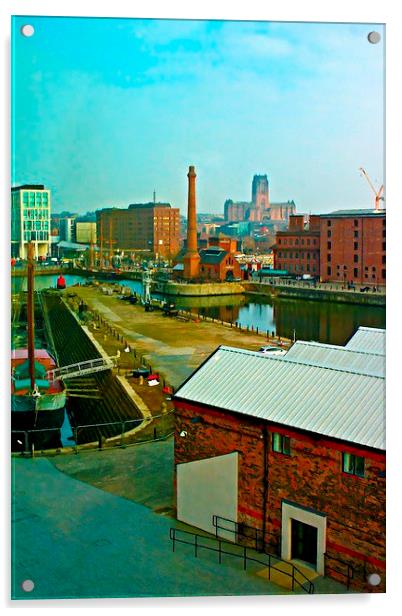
[[280, 443], [353, 465]]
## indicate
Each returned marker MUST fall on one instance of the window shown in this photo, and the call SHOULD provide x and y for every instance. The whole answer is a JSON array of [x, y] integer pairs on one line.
[[329, 270], [383, 245], [356, 234], [329, 233], [356, 258], [297, 242], [383, 259], [280, 443], [355, 272], [329, 245], [279, 241], [328, 223], [329, 259], [308, 242], [356, 223], [383, 274], [355, 245], [353, 465]]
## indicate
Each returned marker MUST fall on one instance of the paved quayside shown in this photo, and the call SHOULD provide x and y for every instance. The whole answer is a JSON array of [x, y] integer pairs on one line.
[[77, 541]]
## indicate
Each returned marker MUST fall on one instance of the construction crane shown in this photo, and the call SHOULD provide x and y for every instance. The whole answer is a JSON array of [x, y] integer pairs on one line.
[[378, 193]]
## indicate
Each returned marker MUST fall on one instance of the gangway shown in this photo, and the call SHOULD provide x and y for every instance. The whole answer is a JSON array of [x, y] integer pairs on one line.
[[81, 368]]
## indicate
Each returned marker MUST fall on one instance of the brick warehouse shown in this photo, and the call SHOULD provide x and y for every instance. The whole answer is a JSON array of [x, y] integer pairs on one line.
[[347, 246], [352, 247], [151, 227], [297, 250], [309, 472]]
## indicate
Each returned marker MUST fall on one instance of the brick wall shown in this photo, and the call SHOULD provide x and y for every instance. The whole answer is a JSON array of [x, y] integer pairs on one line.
[[352, 249], [311, 477]]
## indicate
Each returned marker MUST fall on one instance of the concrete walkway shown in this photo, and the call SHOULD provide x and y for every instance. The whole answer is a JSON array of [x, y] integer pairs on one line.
[[76, 541]]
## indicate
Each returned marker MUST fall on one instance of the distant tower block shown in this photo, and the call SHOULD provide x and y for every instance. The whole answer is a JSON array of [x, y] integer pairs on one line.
[[191, 259], [260, 196]]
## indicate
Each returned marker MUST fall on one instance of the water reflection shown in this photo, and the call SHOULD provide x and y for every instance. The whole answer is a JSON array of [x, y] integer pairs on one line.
[[321, 321]]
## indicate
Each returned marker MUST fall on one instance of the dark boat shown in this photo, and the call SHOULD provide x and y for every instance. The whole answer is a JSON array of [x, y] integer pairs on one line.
[[38, 397]]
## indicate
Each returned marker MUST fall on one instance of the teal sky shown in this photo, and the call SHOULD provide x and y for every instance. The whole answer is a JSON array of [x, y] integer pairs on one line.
[[107, 110]]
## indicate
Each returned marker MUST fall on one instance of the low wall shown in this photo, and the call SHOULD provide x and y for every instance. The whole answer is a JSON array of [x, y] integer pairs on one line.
[[203, 289], [310, 293]]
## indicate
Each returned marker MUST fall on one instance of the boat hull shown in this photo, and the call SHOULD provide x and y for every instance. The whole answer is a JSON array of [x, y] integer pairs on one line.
[[45, 412]]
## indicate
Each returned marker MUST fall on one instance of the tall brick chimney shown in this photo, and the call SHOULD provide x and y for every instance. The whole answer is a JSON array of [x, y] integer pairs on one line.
[[191, 259]]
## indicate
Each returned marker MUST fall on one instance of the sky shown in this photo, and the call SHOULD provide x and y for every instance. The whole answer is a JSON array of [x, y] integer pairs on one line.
[[105, 111]]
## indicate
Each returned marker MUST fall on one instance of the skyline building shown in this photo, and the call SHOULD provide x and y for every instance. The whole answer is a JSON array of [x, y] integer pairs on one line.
[[30, 220]]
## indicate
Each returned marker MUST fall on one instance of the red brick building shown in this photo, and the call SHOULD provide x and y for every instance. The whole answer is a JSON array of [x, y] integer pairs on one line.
[[283, 444], [297, 250], [218, 264], [352, 247], [153, 227]]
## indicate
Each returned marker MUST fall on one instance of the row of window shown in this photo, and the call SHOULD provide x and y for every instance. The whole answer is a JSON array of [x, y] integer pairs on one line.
[[290, 255], [298, 268], [36, 236], [296, 242], [30, 225], [355, 272], [351, 464]]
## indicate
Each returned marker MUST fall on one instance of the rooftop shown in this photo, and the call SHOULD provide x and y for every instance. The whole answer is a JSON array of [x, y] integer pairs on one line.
[[28, 187], [212, 255], [353, 213], [325, 392], [368, 340], [337, 357]]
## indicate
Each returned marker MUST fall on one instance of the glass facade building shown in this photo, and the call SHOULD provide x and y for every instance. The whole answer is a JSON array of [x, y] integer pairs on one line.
[[30, 220]]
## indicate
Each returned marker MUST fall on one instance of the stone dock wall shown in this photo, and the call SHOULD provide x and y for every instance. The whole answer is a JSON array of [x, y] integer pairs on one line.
[[311, 293]]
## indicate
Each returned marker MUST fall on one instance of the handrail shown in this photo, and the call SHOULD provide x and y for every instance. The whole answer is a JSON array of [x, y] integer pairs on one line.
[[350, 570], [80, 367], [215, 519], [259, 534], [174, 535]]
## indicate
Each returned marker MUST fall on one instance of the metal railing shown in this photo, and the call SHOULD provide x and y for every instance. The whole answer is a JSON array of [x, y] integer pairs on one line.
[[81, 368], [245, 532], [243, 552], [348, 575], [158, 432]]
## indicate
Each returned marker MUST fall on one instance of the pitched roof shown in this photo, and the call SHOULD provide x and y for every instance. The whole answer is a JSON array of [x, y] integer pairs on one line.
[[212, 255], [368, 340], [338, 403], [337, 357]]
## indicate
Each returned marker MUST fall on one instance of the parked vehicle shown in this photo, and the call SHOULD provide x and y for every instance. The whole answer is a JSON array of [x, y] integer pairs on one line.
[[271, 350]]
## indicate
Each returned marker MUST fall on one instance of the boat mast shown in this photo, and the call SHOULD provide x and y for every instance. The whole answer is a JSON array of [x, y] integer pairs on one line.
[[31, 315]]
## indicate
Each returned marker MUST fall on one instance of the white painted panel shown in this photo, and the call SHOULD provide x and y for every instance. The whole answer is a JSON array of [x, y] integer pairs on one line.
[[206, 488]]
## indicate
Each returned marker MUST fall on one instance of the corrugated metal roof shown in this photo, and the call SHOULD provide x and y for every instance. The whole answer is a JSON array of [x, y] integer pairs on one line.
[[337, 357], [335, 403], [368, 340]]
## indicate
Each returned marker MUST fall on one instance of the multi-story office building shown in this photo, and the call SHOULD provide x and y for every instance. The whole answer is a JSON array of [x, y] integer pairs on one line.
[[30, 219], [67, 229], [152, 227]]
